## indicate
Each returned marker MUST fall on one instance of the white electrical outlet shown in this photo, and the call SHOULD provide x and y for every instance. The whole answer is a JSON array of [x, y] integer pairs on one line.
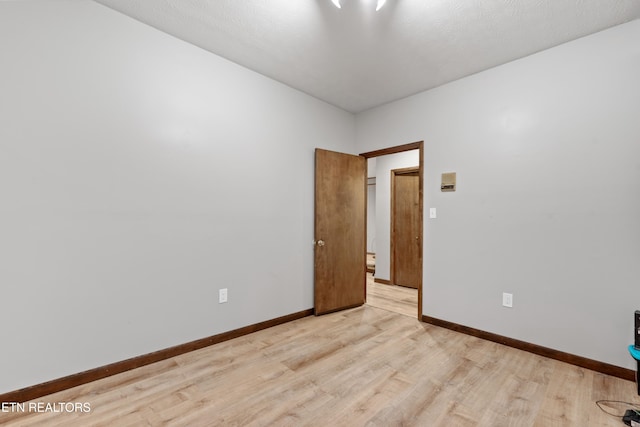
[[507, 299], [222, 295]]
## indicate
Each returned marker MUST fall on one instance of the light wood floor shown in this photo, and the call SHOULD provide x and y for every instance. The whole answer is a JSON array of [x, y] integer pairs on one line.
[[364, 366], [392, 298]]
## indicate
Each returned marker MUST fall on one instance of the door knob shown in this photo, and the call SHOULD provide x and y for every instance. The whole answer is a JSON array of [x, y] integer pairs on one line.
[[320, 243]]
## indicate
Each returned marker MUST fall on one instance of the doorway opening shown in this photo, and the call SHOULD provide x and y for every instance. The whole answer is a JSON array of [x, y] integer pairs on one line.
[[391, 252]]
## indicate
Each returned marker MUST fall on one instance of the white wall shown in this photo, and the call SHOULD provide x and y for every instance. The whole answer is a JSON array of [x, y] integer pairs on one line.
[[371, 218], [371, 205], [139, 175], [547, 207], [384, 166]]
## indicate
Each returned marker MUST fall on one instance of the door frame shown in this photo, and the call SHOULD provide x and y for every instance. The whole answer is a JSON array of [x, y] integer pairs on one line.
[[419, 145], [392, 264]]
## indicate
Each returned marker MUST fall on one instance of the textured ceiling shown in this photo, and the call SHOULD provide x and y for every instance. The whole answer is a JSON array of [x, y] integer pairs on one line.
[[357, 58]]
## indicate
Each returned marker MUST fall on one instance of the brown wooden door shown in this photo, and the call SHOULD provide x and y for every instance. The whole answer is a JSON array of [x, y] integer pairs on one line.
[[340, 231], [406, 239]]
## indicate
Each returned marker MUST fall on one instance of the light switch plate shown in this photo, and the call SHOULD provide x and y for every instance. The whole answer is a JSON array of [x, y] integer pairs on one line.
[[507, 300], [432, 213]]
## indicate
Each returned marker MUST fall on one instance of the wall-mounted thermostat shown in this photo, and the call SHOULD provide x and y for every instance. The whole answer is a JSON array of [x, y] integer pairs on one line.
[[448, 182]]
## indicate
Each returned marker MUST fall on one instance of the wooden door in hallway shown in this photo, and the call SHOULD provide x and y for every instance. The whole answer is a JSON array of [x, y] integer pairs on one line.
[[406, 239], [340, 231]]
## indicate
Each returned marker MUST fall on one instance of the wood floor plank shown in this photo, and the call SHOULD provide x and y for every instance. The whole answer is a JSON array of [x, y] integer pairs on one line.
[[397, 299], [360, 367]]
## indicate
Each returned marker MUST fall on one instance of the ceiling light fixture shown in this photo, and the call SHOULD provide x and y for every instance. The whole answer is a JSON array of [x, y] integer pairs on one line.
[[378, 6]]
